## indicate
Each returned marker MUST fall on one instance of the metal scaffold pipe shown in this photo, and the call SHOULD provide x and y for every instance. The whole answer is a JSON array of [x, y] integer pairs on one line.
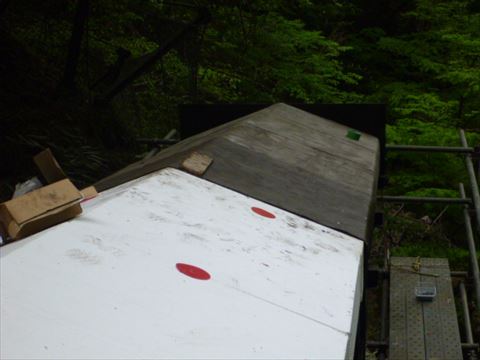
[[422, 148], [472, 178], [471, 248], [466, 321], [383, 313], [167, 140], [422, 200], [466, 314]]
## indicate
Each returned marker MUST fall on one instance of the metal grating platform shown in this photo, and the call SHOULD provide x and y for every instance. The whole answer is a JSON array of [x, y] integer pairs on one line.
[[418, 329]]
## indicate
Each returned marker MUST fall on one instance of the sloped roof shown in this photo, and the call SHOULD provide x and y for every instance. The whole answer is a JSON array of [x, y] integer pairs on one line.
[[287, 157]]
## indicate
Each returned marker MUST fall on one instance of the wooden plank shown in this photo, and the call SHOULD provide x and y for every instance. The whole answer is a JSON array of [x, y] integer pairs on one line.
[[335, 146], [196, 163], [422, 330], [319, 133], [325, 126], [343, 171], [293, 188], [289, 187], [291, 163]]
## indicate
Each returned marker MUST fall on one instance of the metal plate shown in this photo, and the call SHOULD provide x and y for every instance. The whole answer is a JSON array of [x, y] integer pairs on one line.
[[422, 330]]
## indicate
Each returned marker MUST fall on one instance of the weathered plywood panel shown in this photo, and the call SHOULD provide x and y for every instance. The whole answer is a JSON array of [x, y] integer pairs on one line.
[[288, 158], [309, 120], [319, 133], [293, 188], [284, 149]]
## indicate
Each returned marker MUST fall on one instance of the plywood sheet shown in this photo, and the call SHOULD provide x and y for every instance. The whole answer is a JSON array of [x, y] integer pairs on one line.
[[288, 158]]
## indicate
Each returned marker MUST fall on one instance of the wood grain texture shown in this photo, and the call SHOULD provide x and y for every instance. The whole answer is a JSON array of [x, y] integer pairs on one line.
[[196, 163], [286, 157]]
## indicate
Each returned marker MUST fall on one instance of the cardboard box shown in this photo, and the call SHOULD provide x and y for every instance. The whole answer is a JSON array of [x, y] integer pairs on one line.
[[53, 172], [44, 207], [89, 193], [49, 166], [40, 209]]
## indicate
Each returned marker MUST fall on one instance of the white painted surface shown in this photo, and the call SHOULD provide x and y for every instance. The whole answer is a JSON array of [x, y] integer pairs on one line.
[[105, 284]]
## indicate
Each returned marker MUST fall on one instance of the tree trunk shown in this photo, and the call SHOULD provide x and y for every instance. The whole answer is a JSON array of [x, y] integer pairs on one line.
[[75, 45]]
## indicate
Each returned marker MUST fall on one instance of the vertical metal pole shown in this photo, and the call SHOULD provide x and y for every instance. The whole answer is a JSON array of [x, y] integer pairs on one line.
[[466, 313], [473, 179], [466, 319], [152, 152], [384, 312], [384, 299], [471, 248]]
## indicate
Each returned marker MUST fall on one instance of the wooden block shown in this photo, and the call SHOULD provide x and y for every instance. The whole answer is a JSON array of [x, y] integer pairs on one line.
[[197, 163]]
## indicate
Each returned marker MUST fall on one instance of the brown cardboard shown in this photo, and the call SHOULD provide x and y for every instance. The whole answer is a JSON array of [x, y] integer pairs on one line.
[[40, 209], [48, 166], [89, 193]]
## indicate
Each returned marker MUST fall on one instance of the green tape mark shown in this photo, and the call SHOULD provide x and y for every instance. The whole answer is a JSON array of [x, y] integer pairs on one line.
[[353, 134]]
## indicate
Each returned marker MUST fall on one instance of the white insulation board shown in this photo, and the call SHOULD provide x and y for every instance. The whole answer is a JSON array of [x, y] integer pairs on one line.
[[107, 283]]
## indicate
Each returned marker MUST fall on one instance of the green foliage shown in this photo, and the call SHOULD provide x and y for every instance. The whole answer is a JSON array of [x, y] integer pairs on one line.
[[269, 58], [442, 52], [426, 106], [423, 172], [459, 258], [435, 231], [414, 131], [420, 57]]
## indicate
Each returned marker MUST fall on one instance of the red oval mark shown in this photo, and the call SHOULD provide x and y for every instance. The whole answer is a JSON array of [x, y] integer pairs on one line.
[[193, 271], [263, 212]]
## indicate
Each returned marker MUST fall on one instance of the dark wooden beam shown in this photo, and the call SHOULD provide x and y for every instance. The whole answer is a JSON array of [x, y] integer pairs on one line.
[[75, 45]]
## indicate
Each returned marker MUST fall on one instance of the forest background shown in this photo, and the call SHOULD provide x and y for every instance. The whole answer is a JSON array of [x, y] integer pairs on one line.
[[419, 57]]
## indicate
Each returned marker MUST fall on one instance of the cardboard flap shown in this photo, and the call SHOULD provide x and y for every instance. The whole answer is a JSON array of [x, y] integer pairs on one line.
[[40, 201], [48, 166], [89, 193]]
